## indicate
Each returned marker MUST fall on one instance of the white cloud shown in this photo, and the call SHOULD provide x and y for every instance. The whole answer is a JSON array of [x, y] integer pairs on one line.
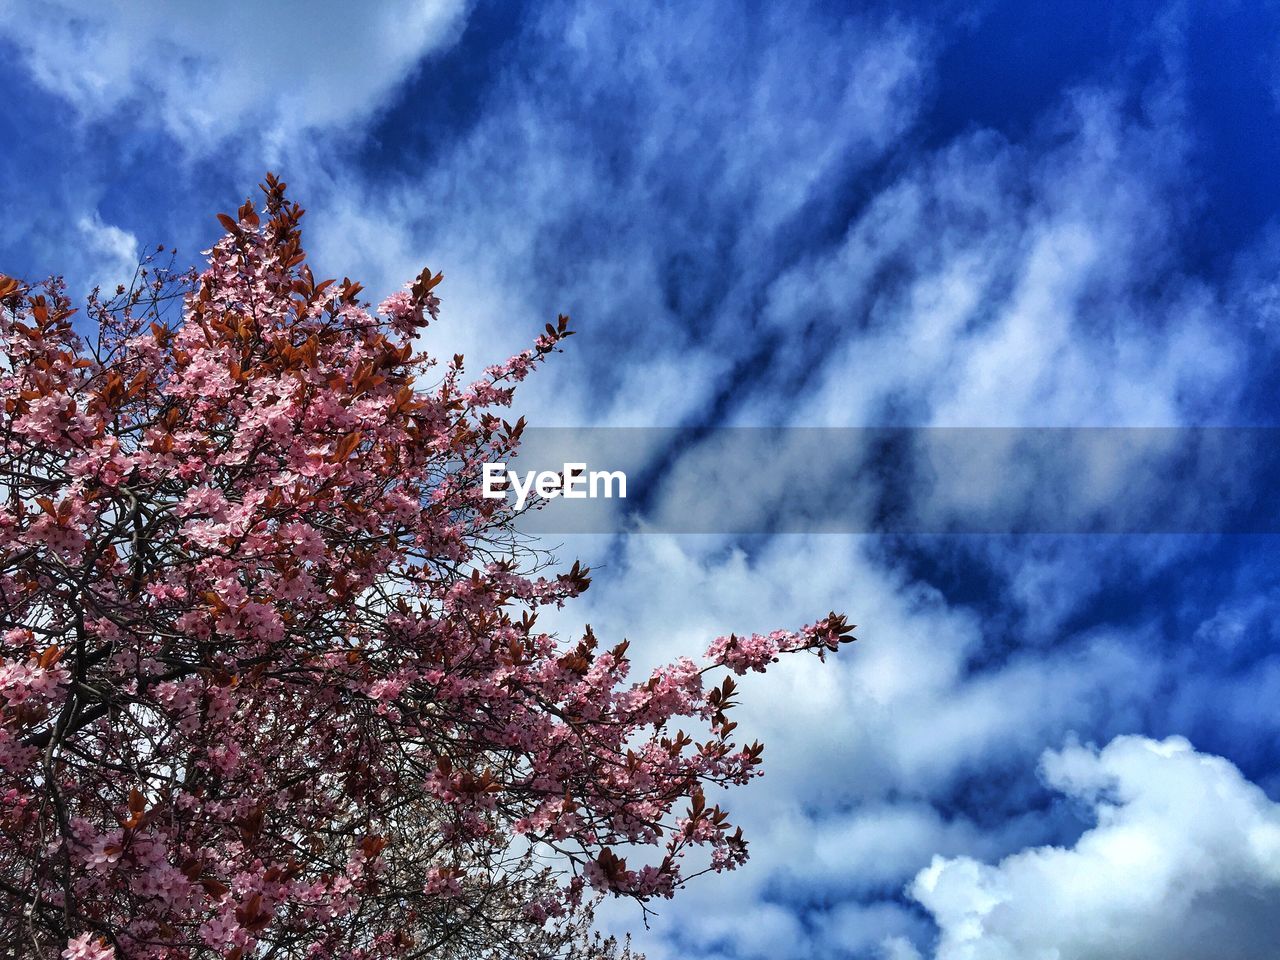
[[1009, 283], [859, 750], [208, 70], [109, 255], [636, 166], [1183, 864]]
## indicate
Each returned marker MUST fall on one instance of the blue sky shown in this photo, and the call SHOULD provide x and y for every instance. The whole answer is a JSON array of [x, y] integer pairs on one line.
[[943, 214]]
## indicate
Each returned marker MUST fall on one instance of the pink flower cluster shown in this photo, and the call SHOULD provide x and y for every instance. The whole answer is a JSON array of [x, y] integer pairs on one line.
[[276, 683], [88, 947]]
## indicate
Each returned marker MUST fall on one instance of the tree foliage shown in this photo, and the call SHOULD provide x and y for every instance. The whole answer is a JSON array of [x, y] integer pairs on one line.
[[271, 677]]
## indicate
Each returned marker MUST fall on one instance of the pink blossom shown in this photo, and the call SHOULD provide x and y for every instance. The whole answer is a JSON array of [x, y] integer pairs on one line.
[[310, 682], [88, 947]]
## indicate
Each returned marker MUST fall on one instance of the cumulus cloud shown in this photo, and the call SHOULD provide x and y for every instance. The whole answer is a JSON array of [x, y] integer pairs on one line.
[[1183, 863], [205, 71]]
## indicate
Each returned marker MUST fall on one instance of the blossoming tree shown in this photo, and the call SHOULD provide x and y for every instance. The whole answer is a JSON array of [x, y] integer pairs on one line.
[[271, 679]]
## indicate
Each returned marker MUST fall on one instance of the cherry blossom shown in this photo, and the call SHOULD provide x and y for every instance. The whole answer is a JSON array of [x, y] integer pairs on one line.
[[272, 681]]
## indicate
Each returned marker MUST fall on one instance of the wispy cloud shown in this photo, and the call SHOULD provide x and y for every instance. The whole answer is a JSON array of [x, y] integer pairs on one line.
[[113, 252], [207, 71], [645, 185]]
